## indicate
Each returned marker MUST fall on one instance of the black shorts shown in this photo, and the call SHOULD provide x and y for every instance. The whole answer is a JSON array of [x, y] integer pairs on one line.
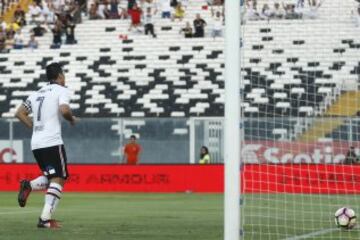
[[52, 161]]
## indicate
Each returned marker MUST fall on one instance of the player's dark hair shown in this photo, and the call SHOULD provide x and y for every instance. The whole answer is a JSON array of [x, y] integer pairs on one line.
[[133, 137], [53, 71], [206, 151]]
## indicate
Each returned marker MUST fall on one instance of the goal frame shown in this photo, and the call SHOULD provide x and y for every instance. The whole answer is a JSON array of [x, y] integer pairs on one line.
[[232, 121]]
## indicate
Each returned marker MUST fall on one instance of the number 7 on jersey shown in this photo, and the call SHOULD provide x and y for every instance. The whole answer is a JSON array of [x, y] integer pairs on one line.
[[41, 100]]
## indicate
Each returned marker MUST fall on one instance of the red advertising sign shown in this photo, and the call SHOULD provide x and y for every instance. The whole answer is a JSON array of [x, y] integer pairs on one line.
[[283, 152], [256, 178], [143, 178], [301, 178]]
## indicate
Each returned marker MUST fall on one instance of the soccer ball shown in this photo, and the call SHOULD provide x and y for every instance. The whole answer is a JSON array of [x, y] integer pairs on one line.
[[345, 218]]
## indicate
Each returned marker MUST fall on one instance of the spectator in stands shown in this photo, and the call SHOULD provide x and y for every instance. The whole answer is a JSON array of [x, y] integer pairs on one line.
[[149, 23], [57, 32], [130, 6], [165, 8], [204, 155], [48, 13], [3, 25], [277, 12], [199, 25], [35, 12], [149, 4], [135, 18], [38, 31], [187, 30], [70, 31], [131, 3], [75, 12], [82, 5], [251, 11], [93, 12], [132, 151], [351, 157], [312, 11], [9, 42], [265, 12], [290, 12], [33, 44], [174, 3], [179, 12], [300, 3], [114, 9], [356, 16], [19, 16], [102, 10], [217, 23], [66, 6], [2, 41], [18, 40], [11, 30], [38, 2], [13, 26], [123, 14], [2, 10], [58, 5]]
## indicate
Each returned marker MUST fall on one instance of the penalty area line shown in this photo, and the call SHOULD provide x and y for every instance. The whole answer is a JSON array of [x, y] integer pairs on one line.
[[312, 234], [18, 212]]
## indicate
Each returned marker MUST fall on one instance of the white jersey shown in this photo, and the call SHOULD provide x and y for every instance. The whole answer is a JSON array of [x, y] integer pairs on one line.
[[44, 104]]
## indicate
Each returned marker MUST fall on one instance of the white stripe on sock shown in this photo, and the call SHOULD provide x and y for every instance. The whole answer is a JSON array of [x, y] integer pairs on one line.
[[51, 200]]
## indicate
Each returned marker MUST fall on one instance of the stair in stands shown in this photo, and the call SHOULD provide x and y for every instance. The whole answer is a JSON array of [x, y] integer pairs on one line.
[[348, 104]]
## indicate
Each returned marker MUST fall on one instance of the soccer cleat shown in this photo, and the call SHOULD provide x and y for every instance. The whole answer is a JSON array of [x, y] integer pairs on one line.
[[24, 192], [48, 224]]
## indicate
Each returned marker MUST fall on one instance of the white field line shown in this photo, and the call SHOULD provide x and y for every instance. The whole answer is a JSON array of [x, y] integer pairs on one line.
[[312, 234], [20, 211]]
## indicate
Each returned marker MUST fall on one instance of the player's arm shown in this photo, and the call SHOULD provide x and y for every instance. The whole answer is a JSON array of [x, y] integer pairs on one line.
[[66, 112], [64, 107], [22, 114]]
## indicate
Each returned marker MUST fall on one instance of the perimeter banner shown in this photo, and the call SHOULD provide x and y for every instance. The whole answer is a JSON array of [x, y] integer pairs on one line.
[[123, 178], [284, 152], [10, 154], [256, 178], [301, 178]]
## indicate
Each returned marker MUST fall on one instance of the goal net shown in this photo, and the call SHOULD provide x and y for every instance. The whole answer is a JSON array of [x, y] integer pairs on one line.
[[300, 65]]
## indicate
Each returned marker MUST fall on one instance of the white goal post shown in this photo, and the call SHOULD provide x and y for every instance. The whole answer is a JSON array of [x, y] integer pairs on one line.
[[232, 121]]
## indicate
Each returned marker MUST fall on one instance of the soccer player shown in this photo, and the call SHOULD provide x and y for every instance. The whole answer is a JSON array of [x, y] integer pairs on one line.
[[132, 151], [47, 106]]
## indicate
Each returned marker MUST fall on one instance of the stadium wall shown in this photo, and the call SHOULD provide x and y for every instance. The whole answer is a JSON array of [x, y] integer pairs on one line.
[[257, 178]]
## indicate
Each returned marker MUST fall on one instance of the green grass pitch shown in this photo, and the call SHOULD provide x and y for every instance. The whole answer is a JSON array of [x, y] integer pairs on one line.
[[116, 216], [297, 216], [104, 216]]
